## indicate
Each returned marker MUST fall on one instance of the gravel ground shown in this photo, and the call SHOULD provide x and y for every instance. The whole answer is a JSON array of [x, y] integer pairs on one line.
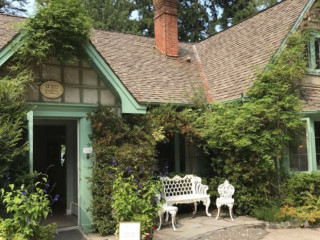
[[236, 233]]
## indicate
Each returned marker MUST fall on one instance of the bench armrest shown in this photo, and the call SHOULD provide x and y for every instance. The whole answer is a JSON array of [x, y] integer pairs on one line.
[[201, 188]]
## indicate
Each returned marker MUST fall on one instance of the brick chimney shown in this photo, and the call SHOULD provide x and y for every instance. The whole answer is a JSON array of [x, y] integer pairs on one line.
[[166, 26]]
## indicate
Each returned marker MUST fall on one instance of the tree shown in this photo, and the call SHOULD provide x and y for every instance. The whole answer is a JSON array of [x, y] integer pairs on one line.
[[137, 17], [234, 11], [112, 14], [193, 21], [12, 6]]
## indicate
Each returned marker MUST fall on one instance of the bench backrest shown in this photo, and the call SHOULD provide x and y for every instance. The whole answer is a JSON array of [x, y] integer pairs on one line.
[[226, 190], [177, 185]]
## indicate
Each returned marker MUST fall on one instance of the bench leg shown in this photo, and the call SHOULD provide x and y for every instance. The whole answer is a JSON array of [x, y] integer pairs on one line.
[[195, 208], [207, 204], [230, 211], [218, 206], [173, 219], [160, 214]]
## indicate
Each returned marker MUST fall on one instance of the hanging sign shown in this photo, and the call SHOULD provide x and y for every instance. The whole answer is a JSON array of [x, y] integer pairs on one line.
[[129, 231], [51, 89]]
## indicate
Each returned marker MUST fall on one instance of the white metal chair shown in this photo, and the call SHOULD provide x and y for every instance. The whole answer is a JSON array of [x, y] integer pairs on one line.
[[166, 209], [226, 190]]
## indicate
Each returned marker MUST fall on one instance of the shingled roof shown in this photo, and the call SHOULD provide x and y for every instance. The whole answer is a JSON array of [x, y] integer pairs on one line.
[[231, 58], [226, 63], [149, 75], [8, 29]]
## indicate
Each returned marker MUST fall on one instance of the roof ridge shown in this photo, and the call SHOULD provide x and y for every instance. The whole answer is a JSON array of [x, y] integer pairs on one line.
[[244, 20]]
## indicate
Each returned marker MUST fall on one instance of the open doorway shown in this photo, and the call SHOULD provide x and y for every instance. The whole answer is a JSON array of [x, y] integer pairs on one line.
[[55, 150]]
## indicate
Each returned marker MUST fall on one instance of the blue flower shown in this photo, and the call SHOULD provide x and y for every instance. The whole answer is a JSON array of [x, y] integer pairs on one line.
[[23, 192], [110, 172], [129, 170], [141, 185], [47, 185], [45, 190], [28, 220], [56, 198], [136, 180]]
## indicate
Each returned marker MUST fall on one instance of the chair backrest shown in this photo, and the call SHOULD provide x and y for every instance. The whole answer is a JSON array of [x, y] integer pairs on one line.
[[226, 190], [178, 186]]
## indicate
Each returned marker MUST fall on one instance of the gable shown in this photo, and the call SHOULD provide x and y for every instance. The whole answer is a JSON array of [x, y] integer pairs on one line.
[[81, 85]]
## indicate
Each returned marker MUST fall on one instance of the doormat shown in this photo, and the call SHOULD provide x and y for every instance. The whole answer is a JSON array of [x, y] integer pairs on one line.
[[74, 234]]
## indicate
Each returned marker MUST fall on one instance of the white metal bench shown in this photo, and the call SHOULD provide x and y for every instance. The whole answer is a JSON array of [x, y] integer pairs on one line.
[[226, 190], [185, 190]]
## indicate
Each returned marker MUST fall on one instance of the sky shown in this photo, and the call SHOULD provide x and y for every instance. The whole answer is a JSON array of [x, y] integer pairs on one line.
[[30, 7]]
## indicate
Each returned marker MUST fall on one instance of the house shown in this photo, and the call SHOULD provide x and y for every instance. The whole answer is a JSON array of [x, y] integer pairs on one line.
[[128, 72]]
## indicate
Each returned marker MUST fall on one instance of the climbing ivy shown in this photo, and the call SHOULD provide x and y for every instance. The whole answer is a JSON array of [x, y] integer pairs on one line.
[[246, 138]]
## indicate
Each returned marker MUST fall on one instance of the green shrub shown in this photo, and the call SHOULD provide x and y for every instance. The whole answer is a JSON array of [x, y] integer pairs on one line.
[[26, 209], [302, 198], [300, 187], [134, 201], [267, 213]]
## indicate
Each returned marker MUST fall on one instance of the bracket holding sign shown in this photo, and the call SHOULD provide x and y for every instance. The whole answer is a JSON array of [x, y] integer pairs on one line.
[[88, 151]]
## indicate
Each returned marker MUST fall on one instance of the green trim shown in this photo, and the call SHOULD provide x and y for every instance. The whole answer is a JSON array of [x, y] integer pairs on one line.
[[312, 56], [129, 103], [85, 171], [177, 152], [310, 142], [30, 140], [10, 48], [293, 29]]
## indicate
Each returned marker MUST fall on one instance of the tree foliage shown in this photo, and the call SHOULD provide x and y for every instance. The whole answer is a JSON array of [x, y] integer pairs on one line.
[[57, 31], [234, 11], [12, 119], [196, 19]]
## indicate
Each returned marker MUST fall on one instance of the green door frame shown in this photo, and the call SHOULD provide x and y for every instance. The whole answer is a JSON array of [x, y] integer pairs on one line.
[[74, 112]]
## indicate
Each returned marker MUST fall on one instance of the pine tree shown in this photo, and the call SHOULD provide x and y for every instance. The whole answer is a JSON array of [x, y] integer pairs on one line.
[[234, 11]]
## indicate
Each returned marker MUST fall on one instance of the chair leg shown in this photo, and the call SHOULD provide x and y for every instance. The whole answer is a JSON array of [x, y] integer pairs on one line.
[[195, 208], [218, 212], [207, 203], [160, 214], [230, 212], [167, 216], [173, 219]]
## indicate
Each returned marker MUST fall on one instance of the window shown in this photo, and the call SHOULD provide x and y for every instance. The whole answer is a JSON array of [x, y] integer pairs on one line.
[[317, 141], [298, 153], [314, 54]]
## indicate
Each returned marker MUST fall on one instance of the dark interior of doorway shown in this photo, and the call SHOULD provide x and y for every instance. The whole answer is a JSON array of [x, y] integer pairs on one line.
[[52, 140]]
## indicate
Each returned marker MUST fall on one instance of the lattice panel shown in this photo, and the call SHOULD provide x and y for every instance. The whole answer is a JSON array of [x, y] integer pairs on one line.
[[177, 187]]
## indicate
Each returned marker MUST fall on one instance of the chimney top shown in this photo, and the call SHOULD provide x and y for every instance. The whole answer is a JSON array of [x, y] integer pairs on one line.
[[166, 26]]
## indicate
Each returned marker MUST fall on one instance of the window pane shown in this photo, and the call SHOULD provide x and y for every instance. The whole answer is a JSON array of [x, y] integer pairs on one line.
[[317, 53], [317, 129], [298, 153], [317, 140]]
